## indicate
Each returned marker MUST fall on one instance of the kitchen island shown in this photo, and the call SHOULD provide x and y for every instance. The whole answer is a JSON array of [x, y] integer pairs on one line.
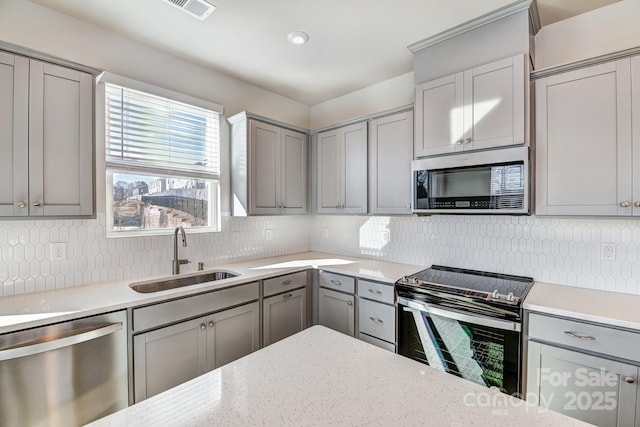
[[321, 377]]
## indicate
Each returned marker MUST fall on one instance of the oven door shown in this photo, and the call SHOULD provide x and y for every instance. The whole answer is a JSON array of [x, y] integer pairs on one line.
[[478, 348]]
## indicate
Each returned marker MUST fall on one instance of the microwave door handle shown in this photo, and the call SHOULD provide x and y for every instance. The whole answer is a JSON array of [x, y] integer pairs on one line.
[[460, 316]]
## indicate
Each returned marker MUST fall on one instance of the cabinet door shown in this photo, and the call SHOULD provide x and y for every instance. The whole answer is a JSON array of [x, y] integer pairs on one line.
[[284, 315], [329, 166], [14, 134], [583, 141], [265, 167], [494, 99], [590, 388], [635, 99], [354, 168], [168, 356], [390, 156], [293, 188], [439, 116], [60, 141], [232, 334], [336, 311]]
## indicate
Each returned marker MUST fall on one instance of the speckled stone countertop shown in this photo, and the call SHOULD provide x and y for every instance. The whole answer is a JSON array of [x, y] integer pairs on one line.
[[41, 308], [610, 308], [320, 377]]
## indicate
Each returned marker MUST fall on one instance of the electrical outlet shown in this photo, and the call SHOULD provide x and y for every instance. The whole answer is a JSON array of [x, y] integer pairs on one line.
[[608, 251], [57, 251], [235, 237], [268, 234], [324, 231], [385, 237]]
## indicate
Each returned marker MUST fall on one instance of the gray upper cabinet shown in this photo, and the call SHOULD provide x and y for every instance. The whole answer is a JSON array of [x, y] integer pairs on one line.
[[635, 120], [269, 168], [584, 141], [478, 108], [49, 130], [390, 155], [342, 170], [14, 135]]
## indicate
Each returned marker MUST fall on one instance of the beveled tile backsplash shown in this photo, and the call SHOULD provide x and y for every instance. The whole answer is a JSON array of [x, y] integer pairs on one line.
[[563, 251]]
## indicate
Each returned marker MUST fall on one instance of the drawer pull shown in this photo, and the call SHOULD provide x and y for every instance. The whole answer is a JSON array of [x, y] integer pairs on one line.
[[336, 282], [629, 380], [376, 320], [286, 296], [287, 282], [349, 303], [211, 324], [581, 337], [203, 326], [375, 291]]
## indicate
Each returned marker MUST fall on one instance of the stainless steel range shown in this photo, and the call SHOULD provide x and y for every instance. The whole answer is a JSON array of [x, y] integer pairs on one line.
[[464, 322]]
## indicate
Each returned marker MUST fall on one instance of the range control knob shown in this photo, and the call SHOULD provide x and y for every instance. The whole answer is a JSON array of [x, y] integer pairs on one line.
[[414, 281], [510, 297], [404, 279], [495, 294]]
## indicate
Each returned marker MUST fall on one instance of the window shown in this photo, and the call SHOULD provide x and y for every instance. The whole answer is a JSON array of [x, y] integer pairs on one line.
[[163, 163]]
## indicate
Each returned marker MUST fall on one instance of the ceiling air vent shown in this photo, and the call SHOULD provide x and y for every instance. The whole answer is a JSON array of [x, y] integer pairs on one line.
[[197, 8]]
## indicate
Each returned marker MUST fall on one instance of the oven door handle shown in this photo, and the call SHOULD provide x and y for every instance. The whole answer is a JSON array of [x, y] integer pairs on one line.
[[460, 316]]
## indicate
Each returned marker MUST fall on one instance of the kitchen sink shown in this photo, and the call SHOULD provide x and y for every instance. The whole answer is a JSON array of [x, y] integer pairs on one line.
[[179, 282]]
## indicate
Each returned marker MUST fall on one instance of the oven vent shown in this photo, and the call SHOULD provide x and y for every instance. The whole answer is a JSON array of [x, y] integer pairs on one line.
[[197, 8]]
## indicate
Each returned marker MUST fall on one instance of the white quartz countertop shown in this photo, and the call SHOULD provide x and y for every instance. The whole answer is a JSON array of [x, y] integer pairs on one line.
[[610, 308], [320, 377], [41, 308]]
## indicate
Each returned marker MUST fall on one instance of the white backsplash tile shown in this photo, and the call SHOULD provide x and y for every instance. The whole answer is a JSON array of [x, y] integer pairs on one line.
[[563, 251], [25, 264]]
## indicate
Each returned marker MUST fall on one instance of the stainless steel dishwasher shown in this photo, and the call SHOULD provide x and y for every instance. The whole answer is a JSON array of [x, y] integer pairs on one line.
[[64, 374]]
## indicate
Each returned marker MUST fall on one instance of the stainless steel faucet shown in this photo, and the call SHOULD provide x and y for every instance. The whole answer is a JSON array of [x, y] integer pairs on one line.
[[177, 262]]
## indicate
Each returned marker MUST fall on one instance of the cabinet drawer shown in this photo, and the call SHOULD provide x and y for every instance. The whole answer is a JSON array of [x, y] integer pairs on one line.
[[596, 338], [337, 282], [375, 291], [197, 305], [377, 342], [284, 283], [377, 320]]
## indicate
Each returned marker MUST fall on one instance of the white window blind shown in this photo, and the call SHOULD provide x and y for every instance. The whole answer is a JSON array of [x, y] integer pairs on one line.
[[161, 135]]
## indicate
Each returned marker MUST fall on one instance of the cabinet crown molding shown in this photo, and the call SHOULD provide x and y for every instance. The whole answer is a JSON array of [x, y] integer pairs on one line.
[[485, 19]]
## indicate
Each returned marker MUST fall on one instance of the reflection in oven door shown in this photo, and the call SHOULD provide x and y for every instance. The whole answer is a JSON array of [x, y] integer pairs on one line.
[[485, 355]]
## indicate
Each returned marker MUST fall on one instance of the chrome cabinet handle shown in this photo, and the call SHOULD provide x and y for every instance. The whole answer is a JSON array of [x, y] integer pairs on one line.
[[376, 320], [22, 204], [211, 324], [637, 204], [203, 326], [467, 140], [336, 282], [375, 291], [625, 204], [581, 337], [459, 141], [287, 296], [287, 282], [629, 380], [37, 203], [349, 303]]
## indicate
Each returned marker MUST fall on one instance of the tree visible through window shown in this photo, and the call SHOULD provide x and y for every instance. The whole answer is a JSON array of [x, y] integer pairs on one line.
[[162, 162]]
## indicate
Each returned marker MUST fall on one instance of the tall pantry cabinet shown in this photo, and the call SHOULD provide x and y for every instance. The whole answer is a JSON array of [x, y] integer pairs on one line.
[[46, 121]]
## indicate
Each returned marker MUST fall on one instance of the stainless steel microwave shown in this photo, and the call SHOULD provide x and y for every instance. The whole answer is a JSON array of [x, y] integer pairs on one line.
[[478, 182]]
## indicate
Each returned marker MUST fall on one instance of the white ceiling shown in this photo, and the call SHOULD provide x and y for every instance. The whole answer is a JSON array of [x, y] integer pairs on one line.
[[353, 43]]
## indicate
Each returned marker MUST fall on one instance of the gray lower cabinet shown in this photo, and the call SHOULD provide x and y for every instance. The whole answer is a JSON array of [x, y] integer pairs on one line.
[[337, 311], [171, 355], [376, 314], [284, 315], [564, 374]]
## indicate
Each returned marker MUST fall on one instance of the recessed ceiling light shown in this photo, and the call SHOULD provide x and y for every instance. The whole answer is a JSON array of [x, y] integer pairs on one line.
[[298, 37]]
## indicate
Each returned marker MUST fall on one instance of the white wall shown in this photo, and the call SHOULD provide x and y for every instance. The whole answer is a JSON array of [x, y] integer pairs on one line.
[[608, 29], [392, 93], [35, 27]]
